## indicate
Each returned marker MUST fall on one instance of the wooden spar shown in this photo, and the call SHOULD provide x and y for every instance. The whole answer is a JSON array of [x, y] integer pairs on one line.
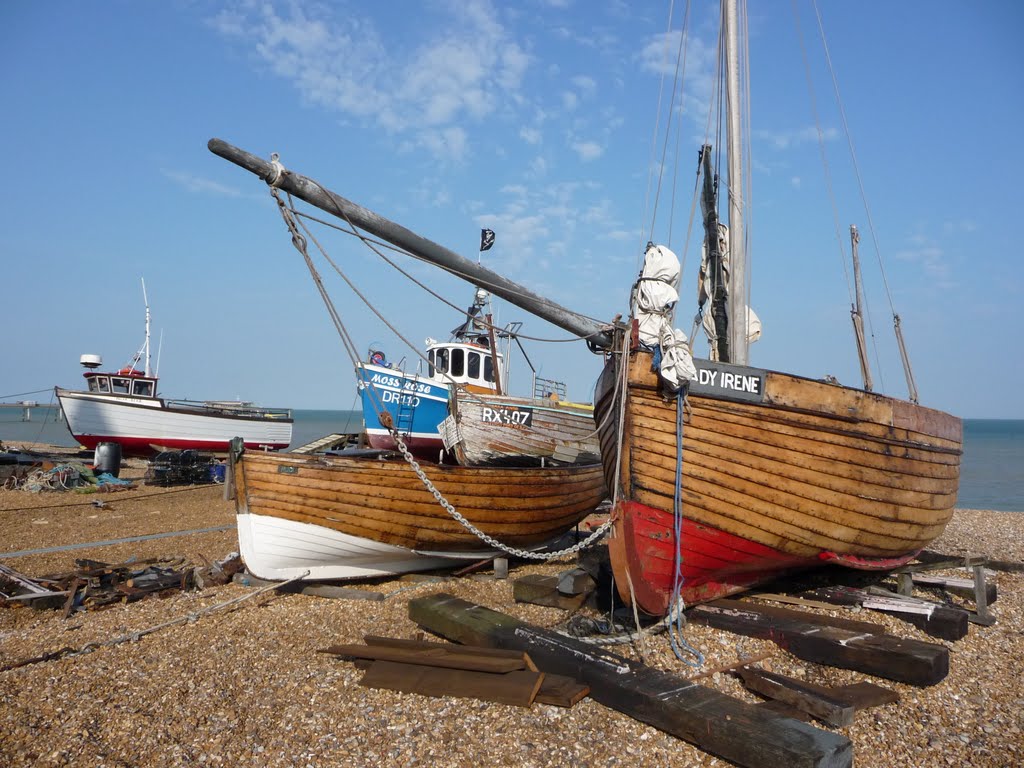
[[315, 194]]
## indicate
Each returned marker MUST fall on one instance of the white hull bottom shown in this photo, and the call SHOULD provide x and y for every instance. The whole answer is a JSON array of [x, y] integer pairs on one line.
[[277, 549]]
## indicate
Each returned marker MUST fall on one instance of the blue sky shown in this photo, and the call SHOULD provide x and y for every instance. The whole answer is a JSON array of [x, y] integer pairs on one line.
[[534, 118]]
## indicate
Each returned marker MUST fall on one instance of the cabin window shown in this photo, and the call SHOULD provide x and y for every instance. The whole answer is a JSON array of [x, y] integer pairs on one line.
[[93, 386], [120, 386], [430, 364], [458, 362], [102, 384], [489, 369], [473, 369], [442, 361], [143, 388]]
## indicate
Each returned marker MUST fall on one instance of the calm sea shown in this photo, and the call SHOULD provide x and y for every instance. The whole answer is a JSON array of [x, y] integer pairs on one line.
[[991, 475]]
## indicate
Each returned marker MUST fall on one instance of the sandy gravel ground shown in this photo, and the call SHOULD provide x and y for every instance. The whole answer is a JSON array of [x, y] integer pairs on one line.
[[246, 687]]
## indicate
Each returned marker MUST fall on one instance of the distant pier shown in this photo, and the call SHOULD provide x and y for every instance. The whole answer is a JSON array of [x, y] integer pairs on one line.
[[27, 406]]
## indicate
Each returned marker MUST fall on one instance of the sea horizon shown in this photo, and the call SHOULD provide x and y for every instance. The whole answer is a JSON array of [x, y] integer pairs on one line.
[[991, 471]]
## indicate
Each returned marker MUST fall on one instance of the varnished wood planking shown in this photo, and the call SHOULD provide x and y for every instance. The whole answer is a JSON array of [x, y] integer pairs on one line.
[[364, 505]]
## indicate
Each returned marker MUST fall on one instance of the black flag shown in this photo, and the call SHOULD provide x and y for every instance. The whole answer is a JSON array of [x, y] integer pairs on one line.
[[486, 239]]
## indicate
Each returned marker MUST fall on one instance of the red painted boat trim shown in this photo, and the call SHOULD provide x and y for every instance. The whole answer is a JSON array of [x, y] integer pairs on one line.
[[143, 446], [868, 563], [714, 563]]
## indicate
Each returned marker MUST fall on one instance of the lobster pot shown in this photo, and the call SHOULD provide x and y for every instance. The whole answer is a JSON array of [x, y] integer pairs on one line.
[[108, 458]]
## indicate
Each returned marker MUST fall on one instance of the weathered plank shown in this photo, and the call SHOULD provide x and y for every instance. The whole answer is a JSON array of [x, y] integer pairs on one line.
[[709, 719], [518, 688], [429, 657], [808, 638], [942, 621], [467, 650], [562, 691], [815, 700]]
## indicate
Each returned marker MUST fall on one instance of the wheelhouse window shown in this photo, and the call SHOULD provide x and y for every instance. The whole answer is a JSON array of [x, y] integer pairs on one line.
[[142, 388], [441, 361], [473, 368], [489, 369], [458, 362], [93, 385], [102, 384], [430, 364], [120, 386]]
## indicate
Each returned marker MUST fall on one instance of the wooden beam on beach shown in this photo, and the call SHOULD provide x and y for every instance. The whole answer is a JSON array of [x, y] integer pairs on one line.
[[835, 706], [829, 641], [711, 720], [942, 621]]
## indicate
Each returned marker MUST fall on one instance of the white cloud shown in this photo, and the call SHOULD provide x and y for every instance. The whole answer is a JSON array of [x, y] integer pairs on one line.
[[587, 150], [198, 184], [465, 67], [530, 135]]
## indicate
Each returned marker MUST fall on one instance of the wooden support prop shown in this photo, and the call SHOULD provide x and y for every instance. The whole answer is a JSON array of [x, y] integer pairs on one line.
[[713, 721], [942, 621], [543, 590], [956, 586], [576, 582], [819, 640]]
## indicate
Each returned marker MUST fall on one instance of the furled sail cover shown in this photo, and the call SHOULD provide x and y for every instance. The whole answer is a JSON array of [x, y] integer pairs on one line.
[[705, 289], [654, 298]]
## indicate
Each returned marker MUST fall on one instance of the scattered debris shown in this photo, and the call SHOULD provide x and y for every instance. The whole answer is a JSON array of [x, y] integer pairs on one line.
[[94, 584]]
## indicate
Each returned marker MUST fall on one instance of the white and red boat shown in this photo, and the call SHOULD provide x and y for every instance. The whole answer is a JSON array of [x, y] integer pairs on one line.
[[125, 407]]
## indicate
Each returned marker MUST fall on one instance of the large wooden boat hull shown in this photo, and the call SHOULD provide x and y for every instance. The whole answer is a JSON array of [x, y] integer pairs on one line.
[[777, 473], [144, 426], [340, 517], [494, 430]]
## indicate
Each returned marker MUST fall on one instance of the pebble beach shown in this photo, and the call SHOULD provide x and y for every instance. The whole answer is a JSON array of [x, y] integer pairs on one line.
[[245, 685]]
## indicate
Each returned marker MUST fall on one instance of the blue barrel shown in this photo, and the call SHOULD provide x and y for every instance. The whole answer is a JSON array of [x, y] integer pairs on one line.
[[218, 472], [108, 459]]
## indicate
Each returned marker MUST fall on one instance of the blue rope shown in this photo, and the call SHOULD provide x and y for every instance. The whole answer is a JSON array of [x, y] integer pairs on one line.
[[675, 619]]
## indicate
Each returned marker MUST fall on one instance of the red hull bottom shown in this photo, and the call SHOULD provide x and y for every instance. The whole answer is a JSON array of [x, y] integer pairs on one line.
[[714, 563], [145, 447]]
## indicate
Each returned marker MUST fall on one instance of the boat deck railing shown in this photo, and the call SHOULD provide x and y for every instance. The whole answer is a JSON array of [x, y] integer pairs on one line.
[[232, 408]]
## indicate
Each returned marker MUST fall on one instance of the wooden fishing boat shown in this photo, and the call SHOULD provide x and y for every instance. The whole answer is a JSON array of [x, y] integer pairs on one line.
[[368, 513], [806, 473], [125, 407], [518, 431]]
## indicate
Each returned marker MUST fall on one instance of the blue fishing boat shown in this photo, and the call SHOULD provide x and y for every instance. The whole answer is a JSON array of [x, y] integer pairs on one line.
[[418, 403]]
